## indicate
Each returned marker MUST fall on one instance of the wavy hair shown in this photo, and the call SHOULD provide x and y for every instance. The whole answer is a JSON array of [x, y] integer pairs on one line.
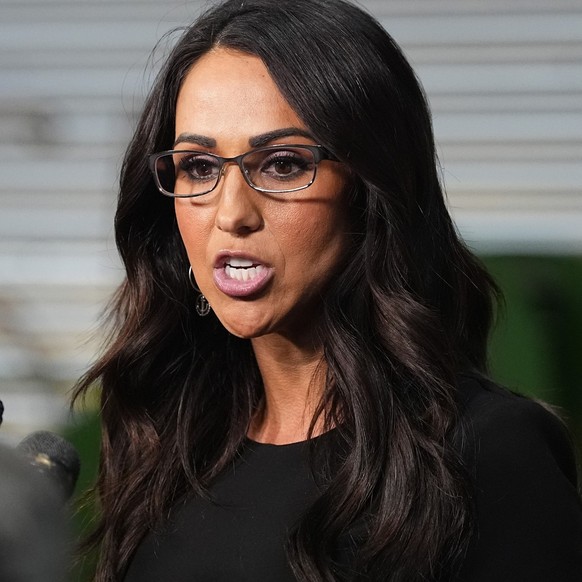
[[411, 309]]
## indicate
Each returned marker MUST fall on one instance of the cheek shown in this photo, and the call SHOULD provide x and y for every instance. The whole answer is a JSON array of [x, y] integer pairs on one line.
[[313, 234], [194, 227]]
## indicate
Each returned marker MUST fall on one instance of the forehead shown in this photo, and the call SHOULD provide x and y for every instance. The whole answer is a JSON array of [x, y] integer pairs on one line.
[[231, 94]]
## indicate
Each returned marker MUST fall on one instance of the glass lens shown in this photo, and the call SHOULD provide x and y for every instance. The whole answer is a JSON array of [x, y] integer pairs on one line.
[[195, 173], [164, 168], [280, 169], [188, 173]]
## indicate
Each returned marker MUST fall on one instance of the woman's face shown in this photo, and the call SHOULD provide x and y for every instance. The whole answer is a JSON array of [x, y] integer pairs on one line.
[[261, 260]]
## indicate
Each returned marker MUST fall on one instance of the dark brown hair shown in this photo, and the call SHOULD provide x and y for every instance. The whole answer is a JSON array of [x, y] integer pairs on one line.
[[411, 309]]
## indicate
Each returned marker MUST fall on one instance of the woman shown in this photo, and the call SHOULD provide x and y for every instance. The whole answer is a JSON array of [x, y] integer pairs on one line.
[[295, 385]]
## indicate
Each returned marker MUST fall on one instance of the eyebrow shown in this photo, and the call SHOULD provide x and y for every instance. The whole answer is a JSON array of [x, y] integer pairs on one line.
[[265, 138], [201, 140], [256, 141]]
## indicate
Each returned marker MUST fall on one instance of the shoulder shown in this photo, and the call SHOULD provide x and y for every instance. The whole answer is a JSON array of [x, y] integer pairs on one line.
[[502, 428], [528, 516]]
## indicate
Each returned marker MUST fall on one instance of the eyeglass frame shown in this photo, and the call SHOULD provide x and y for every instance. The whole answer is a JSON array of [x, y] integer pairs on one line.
[[318, 151]]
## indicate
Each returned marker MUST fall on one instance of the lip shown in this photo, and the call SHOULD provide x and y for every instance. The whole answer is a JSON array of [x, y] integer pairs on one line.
[[233, 287]]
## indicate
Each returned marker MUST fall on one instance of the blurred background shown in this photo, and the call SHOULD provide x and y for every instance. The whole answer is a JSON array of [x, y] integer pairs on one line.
[[504, 79]]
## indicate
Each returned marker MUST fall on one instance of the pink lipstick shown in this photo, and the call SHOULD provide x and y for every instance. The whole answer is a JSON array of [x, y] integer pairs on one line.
[[240, 275]]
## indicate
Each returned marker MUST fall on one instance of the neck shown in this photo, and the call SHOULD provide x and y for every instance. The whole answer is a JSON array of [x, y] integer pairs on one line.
[[293, 378]]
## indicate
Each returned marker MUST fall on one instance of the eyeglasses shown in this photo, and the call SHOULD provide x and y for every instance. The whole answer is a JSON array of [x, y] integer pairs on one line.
[[278, 168]]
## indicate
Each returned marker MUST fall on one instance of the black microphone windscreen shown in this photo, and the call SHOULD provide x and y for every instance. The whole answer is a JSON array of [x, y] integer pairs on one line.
[[34, 532], [51, 454]]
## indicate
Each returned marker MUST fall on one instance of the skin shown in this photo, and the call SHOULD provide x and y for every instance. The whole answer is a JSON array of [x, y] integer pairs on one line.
[[230, 98]]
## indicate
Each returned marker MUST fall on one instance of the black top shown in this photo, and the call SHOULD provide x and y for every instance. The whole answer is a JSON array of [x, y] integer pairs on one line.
[[529, 516]]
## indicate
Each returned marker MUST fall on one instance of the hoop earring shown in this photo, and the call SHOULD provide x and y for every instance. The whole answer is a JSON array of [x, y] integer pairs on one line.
[[202, 306]]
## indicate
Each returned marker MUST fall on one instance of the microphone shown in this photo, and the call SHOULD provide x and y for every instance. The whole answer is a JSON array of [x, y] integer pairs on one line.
[[34, 521], [53, 456]]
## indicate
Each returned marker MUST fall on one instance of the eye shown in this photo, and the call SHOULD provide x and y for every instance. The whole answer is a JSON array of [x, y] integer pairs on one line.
[[286, 165], [197, 167]]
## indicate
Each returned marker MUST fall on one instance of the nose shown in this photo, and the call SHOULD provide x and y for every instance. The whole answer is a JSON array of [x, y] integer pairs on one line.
[[238, 209]]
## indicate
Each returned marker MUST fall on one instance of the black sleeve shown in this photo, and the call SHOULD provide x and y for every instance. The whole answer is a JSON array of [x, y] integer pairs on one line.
[[528, 511]]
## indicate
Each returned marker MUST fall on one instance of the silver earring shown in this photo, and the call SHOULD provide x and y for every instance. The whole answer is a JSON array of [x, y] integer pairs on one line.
[[202, 306]]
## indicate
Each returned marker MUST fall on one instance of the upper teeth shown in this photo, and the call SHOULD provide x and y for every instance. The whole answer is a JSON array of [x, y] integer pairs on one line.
[[234, 262], [242, 269]]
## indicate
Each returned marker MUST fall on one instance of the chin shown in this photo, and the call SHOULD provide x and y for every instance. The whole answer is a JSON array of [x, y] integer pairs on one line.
[[244, 329]]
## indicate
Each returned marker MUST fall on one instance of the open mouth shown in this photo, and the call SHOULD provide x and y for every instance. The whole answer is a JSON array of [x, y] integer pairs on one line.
[[241, 276], [242, 269]]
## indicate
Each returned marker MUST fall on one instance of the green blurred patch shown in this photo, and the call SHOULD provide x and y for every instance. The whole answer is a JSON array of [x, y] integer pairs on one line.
[[537, 345], [84, 433]]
